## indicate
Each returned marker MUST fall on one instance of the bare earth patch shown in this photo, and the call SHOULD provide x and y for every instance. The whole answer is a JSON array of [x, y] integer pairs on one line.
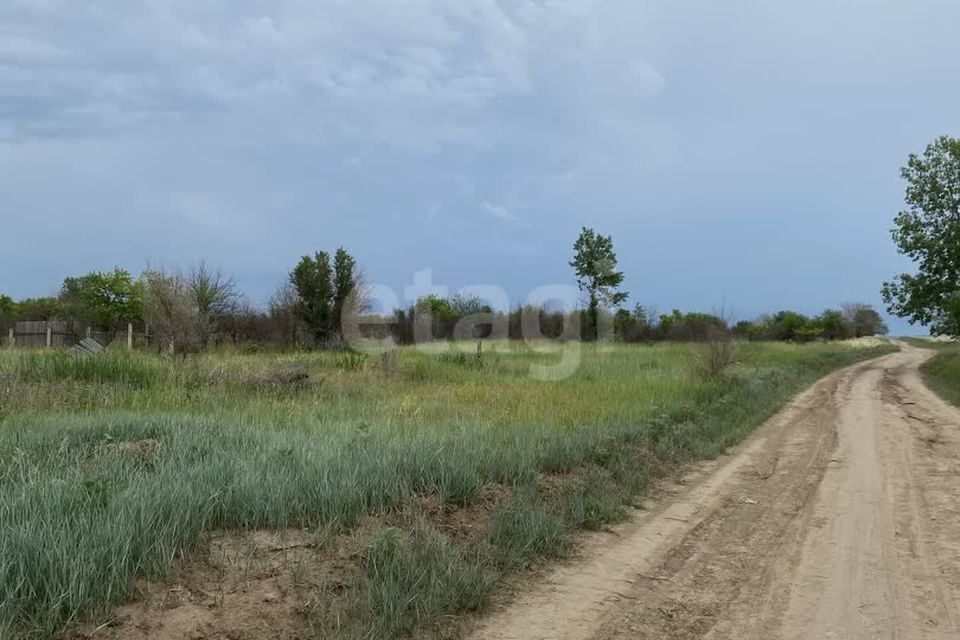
[[251, 586], [263, 584]]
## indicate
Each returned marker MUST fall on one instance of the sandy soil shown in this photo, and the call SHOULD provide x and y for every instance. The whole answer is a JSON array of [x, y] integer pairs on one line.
[[839, 518]]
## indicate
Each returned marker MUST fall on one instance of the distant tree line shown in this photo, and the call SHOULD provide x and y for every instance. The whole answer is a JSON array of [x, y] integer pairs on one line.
[[851, 321], [642, 324], [186, 311]]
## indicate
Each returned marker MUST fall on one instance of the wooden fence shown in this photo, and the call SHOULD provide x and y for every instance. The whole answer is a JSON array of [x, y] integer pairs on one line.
[[59, 334]]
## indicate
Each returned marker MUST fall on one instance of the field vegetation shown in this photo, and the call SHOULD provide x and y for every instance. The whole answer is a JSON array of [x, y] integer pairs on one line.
[[458, 470], [942, 372]]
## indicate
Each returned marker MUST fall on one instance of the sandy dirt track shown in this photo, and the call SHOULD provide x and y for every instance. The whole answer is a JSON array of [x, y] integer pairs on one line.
[[838, 519]]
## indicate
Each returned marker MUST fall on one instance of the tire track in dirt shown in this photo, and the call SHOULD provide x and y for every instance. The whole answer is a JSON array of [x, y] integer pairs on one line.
[[839, 518]]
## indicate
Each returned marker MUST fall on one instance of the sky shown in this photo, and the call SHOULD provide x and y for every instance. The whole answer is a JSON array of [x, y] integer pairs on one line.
[[744, 155]]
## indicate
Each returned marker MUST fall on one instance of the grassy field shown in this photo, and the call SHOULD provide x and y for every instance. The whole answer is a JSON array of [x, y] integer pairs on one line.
[[115, 468], [942, 372]]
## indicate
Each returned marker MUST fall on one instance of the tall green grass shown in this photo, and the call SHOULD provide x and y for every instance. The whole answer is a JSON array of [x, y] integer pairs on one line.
[[942, 372], [116, 367], [81, 515]]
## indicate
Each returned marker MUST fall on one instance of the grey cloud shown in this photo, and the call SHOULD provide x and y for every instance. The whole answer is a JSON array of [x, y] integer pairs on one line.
[[249, 131]]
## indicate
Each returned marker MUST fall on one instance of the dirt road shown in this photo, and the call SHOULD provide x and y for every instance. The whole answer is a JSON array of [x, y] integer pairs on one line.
[[839, 518]]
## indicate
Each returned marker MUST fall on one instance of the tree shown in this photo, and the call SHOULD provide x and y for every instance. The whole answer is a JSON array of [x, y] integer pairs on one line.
[[790, 325], [435, 317], [635, 326], [929, 234], [8, 311], [283, 307], [312, 279], [105, 299], [344, 283], [38, 309], [747, 330], [692, 326], [7, 306], [169, 310], [595, 264], [864, 320], [326, 291], [834, 324], [214, 296]]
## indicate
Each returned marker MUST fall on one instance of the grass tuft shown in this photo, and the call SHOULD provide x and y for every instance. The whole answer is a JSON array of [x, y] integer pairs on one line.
[[410, 581], [942, 372]]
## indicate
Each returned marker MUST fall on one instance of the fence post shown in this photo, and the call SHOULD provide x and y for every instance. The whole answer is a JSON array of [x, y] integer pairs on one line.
[[49, 335], [129, 336], [88, 331], [11, 339]]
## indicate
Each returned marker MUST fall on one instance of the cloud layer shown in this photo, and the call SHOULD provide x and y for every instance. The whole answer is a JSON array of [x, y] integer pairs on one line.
[[471, 136]]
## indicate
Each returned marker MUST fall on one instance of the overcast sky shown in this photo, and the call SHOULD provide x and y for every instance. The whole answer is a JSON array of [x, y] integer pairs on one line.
[[742, 154]]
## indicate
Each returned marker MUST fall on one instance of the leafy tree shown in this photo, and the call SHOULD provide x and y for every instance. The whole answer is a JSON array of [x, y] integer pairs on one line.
[[595, 264], [691, 326], [790, 325], [104, 299], [929, 233], [344, 285], [7, 305], [747, 330], [864, 320], [633, 326], [436, 317], [313, 280], [834, 325], [38, 309]]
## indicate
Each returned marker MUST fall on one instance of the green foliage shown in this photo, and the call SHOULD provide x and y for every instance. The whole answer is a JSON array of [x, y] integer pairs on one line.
[[595, 264], [863, 321], [691, 326], [7, 306], [635, 326], [106, 300], [438, 307], [833, 325], [344, 285], [324, 291], [929, 234], [788, 325], [39, 309], [854, 321], [312, 279], [747, 330]]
